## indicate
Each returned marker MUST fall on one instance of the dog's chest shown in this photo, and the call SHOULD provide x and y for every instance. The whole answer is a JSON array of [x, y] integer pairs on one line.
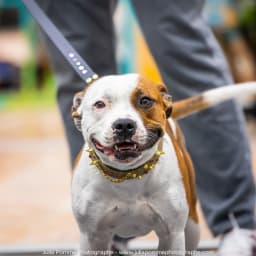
[[135, 208], [126, 220]]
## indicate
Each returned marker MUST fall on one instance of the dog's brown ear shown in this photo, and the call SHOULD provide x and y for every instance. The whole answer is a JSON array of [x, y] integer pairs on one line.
[[167, 100], [75, 112]]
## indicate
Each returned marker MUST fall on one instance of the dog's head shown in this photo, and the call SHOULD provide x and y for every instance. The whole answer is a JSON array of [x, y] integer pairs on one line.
[[122, 117]]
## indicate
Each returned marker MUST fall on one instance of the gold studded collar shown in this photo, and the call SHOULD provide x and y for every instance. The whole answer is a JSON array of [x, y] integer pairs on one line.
[[118, 176]]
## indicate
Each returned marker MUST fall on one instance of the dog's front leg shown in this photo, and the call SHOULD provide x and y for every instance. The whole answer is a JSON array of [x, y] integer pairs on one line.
[[174, 243], [96, 244]]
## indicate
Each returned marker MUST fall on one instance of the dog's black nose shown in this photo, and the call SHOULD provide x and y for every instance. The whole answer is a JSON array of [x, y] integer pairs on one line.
[[124, 128]]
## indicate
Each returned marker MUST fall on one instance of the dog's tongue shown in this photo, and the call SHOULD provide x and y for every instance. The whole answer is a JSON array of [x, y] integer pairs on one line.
[[108, 151], [119, 148], [99, 146], [125, 146]]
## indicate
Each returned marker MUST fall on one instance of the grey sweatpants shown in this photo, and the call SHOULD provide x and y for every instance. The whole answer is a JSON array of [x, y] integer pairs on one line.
[[190, 61]]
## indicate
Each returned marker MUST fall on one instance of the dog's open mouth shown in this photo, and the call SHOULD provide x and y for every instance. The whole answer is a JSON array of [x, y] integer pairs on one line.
[[122, 150]]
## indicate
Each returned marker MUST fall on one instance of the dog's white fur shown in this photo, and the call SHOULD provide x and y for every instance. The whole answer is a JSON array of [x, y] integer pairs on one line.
[[131, 208]]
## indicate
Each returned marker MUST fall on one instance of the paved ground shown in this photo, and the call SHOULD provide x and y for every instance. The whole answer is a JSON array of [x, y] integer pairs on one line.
[[35, 180]]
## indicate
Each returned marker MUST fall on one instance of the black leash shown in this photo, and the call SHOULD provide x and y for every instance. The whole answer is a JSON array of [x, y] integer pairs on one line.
[[70, 54]]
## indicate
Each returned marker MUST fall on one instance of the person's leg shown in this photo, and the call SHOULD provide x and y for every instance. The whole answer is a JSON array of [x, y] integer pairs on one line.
[[190, 61], [88, 26]]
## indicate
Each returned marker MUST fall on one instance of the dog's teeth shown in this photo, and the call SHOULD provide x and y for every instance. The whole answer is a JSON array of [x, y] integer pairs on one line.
[[116, 147]]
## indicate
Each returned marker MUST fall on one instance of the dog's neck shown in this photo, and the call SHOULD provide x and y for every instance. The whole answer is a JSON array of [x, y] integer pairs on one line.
[[117, 176]]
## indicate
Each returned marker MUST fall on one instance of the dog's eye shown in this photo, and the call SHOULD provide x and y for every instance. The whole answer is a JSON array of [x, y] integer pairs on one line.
[[145, 102], [99, 104]]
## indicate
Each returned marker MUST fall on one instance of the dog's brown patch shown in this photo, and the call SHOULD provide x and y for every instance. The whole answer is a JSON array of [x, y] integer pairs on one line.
[[186, 168], [156, 115]]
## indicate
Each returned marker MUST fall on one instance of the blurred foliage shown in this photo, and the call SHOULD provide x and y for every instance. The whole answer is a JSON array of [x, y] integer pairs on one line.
[[248, 16], [30, 96], [248, 22], [32, 93]]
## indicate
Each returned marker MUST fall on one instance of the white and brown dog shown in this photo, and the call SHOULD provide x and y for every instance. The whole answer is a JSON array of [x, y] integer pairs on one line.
[[134, 174]]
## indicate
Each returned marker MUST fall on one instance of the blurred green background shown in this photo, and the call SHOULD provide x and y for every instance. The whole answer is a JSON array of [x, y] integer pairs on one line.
[[26, 79]]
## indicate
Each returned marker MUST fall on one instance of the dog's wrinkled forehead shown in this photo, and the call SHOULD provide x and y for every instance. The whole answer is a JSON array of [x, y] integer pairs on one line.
[[114, 88], [134, 90]]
